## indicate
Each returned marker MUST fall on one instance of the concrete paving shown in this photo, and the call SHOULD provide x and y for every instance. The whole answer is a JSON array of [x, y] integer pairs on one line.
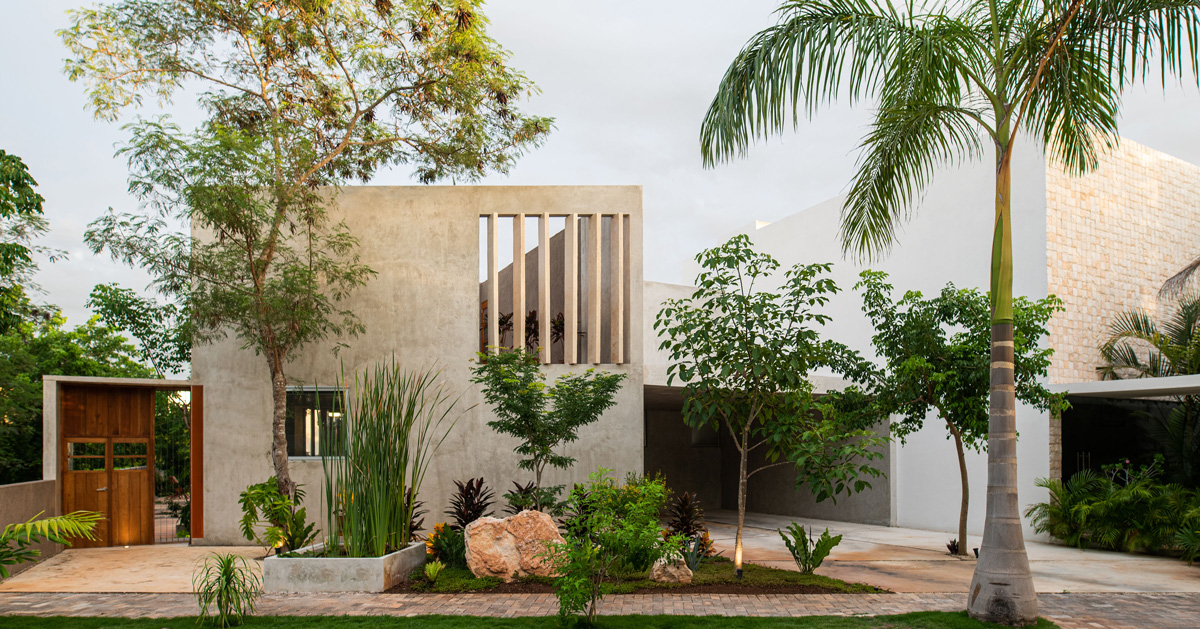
[[141, 569], [911, 560]]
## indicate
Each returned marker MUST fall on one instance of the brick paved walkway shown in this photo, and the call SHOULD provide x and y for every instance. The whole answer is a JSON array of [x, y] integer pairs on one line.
[[1090, 611]]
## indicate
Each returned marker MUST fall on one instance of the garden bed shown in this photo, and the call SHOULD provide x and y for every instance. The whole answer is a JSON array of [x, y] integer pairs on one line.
[[715, 576]]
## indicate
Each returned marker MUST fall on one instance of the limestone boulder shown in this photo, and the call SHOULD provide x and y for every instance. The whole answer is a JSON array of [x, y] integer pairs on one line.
[[665, 571], [509, 547]]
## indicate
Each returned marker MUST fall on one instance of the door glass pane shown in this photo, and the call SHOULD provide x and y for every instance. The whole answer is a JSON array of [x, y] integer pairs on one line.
[[81, 448], [129, 463], [85, 464], [129, 449]]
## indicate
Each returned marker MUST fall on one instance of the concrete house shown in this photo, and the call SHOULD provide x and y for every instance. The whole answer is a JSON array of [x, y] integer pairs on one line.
[[452, 262]]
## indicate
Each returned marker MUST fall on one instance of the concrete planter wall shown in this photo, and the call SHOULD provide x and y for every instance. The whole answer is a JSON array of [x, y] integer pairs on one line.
[[340, 574]]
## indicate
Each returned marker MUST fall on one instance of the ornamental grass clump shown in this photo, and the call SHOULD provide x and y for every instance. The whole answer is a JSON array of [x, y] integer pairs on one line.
[[395, 421], [226, 588]]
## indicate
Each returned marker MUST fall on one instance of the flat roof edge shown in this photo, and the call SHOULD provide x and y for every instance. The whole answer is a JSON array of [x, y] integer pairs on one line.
[[1132, 388], [122, 382]]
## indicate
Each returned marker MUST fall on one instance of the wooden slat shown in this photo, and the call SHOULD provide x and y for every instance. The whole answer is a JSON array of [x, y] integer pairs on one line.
[[197, 461], [616, 301], [594, 294], [543, 284], [493, 258], [571, 291], [518, 280]]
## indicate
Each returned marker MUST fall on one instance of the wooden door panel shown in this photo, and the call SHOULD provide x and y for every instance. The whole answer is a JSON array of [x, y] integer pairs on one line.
[[133, 517], [88, 491]]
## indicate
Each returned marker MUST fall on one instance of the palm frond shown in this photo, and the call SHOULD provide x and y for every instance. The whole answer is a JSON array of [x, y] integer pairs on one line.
[[801, 61], [57, 529], [906, 144], [1127, 36], [1176, 284]]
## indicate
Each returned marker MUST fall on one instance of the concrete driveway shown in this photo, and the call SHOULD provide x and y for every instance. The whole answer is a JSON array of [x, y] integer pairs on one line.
[[910, 560], [144, 569]]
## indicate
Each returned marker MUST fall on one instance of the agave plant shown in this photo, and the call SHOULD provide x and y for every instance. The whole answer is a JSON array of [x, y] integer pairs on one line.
[[472, 501]]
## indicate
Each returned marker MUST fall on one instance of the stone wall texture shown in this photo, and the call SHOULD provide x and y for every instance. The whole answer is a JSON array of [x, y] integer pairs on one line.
[[1113, 236]]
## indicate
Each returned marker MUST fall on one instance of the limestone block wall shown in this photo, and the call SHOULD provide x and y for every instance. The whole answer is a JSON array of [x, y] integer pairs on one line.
[[1112, 237]]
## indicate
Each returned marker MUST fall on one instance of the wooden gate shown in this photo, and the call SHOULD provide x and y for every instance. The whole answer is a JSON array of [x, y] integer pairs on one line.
[[107, 460]]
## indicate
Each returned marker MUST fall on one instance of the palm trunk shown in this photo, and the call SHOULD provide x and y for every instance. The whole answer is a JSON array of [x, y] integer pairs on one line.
[[966, 490], [1002, 587], [279, 455]]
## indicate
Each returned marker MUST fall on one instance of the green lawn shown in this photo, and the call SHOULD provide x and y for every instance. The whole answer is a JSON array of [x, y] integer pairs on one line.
[[718, 571], [920, 620]]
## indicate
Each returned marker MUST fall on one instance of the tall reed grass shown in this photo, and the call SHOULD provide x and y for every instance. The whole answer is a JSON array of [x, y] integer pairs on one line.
[[394, 422]]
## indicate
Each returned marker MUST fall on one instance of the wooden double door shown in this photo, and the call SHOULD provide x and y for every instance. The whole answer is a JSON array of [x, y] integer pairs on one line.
[[107, 460]]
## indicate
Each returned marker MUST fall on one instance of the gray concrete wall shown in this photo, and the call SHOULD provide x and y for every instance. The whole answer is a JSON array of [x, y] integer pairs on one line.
[[423, 307], [21, 501]]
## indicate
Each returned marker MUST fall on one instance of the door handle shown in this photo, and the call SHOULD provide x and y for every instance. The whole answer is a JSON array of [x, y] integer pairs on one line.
[[102, 489]]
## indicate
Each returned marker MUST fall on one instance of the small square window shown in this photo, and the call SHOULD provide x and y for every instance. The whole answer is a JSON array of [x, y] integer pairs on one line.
[[314, 420]]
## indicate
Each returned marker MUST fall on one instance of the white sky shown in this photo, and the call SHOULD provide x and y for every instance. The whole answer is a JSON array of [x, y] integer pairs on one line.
[[628, 82]]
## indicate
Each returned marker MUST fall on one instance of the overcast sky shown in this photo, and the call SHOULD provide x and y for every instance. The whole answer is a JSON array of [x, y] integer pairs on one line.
[[628, 82]]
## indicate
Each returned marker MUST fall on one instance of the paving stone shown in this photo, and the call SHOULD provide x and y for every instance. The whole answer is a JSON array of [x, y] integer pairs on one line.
[[1071, 611]]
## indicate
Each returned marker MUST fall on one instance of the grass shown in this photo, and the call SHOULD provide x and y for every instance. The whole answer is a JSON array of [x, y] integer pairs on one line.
[[919, 620], [716, 571]]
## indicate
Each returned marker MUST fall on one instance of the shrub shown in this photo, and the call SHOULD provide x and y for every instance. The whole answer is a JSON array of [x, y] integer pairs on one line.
[[1125, 508], [611, 526], [447, 545], [685, 517], [226, 589], [273, 520], [530, 497], [807, 553], [395, 422], [472, 501]]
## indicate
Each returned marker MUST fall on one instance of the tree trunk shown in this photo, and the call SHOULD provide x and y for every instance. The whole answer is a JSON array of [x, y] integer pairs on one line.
[[737, 545], [279, 454], [966, 490], [1002, 587]]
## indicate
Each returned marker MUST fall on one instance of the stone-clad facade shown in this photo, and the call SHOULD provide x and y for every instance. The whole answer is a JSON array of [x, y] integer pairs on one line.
[[1112, 237]]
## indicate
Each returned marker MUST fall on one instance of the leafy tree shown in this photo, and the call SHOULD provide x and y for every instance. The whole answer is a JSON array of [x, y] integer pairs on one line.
[[299, 94], [544, 418], [945, 77], [744, 356], [1139, 347], [21, 221], [162, 331], [934, 355], [33, 349]]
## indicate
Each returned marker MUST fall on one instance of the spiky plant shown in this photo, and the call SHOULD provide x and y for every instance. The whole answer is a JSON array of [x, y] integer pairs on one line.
[[472, 501], [685, 515]]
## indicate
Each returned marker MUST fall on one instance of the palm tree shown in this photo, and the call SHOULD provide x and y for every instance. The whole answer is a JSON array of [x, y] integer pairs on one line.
[[944, 79], [1138, 347]]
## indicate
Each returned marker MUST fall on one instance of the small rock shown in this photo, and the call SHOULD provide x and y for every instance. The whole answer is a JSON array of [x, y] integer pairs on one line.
[[665, 571], [510, 547]]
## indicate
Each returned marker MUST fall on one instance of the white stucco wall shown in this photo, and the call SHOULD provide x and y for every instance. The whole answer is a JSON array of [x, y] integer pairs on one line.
[[948, 240]]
